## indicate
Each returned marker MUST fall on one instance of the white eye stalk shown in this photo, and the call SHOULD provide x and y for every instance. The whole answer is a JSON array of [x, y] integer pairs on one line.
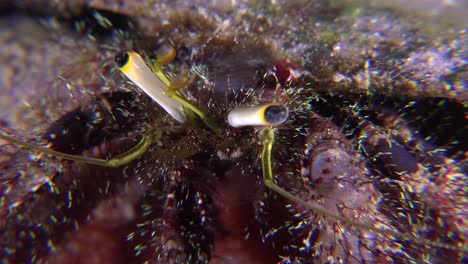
[[134, 67], [261, 115]]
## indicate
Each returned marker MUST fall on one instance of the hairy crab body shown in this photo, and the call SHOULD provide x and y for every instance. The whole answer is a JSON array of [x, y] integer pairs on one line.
[[196, 196]]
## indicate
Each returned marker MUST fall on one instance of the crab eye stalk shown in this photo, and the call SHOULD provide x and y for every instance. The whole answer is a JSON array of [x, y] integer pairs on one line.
[[262, 115], [134, 67]]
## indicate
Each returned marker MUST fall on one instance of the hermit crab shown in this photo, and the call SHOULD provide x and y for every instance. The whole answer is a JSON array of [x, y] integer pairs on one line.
[[180, 170]]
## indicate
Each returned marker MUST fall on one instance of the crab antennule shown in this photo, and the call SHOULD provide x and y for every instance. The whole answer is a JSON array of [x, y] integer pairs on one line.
[[134, 67]]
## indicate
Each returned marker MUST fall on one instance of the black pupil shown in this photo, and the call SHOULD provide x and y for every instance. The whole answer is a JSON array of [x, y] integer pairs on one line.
[[121, 59], [276, 114]]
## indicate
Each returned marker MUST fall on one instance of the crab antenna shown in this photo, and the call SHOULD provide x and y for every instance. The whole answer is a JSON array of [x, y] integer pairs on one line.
[[264, 116], [114, 162], [267, 137]]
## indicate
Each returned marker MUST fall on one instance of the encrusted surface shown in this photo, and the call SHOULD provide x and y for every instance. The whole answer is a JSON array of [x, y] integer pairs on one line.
[[377, 99]]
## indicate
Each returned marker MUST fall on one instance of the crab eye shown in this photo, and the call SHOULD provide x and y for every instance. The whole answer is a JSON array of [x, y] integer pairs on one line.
[[262, 115], [134, 67], [276, 114], [121, 59]]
